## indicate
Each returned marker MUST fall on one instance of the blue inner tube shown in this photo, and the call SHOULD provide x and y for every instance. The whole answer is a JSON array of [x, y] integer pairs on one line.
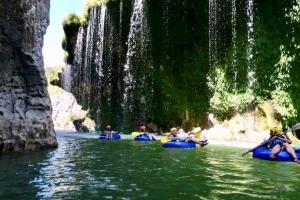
[[264, 153], [143, 137], [179, 145], [116, 136]]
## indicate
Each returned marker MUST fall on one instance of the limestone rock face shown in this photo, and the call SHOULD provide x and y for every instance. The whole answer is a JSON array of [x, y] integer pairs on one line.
[[25, 107], [66, 110], [253, 125]]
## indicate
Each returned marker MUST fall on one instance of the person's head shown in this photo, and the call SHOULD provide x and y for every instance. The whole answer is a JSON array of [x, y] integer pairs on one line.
[[275, 130], [173, 130], [108, 126], [273, 133], [181, 131], [196, 130], [142, 128]]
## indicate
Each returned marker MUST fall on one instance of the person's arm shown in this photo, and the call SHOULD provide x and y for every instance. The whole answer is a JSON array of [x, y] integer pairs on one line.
[[172, 137], [288, 140], [285, 138], [268, 144]]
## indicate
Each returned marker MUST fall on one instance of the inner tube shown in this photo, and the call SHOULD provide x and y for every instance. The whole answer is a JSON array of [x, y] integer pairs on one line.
[[180, 145], [143, 138], [115, 136], [264, 153]]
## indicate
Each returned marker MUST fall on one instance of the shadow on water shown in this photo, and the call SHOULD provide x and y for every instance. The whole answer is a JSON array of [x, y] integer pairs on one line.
[[93, 169]]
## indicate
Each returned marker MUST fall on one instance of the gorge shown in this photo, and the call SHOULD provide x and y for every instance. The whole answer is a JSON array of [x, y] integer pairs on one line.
[[223, 72], [169, 63]]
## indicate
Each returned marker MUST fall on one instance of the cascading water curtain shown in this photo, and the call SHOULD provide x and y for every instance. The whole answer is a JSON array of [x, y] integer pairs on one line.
[[79, 60], [99, 59], [165, 15], [121, 7], [100, 42], [234, 38], [213, 50], [89, 55], [250, 44], [67, 78], [138, 89]]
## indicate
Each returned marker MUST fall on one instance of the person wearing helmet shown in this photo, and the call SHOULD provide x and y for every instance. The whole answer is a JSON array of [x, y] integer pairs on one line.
[[151, 136], [178, 135], [279, 143], [108, 132], [192, 138], [174, 133]]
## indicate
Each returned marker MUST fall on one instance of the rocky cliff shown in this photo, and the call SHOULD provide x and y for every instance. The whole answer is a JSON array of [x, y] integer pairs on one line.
[[25, 107]]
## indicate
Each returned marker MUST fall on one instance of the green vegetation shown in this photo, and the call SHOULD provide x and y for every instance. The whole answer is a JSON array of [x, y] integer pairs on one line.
[[71, 25], [89, 4], [52, 73], [225, 102], [275, 63], [52, 77], [185, 87], [180, 62]]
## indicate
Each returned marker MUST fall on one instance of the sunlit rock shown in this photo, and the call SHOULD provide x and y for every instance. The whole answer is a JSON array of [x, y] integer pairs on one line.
[[66, 111], [251, 126]]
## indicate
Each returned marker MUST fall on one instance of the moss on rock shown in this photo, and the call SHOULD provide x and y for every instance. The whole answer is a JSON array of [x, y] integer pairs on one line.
[[71, 25]]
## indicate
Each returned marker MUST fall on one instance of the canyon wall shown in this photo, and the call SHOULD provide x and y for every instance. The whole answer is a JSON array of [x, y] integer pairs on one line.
[[174, 62], [25, 107]]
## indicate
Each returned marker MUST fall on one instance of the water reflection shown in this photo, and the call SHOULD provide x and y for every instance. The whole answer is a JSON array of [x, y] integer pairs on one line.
[[57, 173], [93, 169]]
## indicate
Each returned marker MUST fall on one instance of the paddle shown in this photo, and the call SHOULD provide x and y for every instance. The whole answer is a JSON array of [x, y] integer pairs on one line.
[[265, 142], [295, 128]]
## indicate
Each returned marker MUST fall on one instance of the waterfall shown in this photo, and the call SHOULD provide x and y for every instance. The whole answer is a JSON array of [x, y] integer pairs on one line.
[[89, 55], [250, 40], [166, 18], [100, 41], [234, 38], [67, 78], [121, 7], [250, 46], [138, 68], [109, 69], [213, 32], [99, 60], [79, 61], [96, 69], [120, 19]]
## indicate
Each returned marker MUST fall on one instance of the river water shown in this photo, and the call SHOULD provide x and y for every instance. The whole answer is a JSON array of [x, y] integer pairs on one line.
[[86, 168]]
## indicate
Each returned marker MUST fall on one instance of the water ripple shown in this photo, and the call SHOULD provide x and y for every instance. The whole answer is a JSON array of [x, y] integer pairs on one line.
[[92, 169]]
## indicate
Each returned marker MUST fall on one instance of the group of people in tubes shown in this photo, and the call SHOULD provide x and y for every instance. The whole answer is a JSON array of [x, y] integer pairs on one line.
[[276, 144], [176, 134]]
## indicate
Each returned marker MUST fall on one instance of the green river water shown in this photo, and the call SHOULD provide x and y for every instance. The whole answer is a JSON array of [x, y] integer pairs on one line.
[[86, 168]]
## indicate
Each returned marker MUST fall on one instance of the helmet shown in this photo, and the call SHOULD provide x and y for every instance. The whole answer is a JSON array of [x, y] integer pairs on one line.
[[173, 129], [196, 130], [276, 129]]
